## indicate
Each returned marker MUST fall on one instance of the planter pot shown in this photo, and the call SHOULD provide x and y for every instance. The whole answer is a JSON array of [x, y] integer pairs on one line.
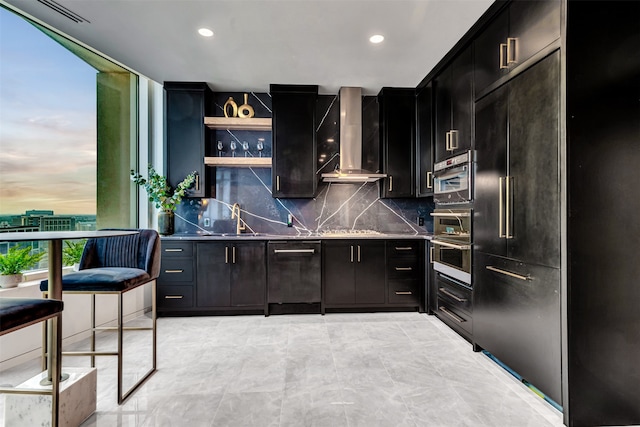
[[10, 280], [165, 223]]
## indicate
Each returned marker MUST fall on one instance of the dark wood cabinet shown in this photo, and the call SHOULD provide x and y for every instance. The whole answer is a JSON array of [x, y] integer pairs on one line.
[[405, 272], [453, 107], [186, 105], [353, 272], [453, 304], [295, 269], [424, 141], [517, 207], [230, 274], [397, 142], [516, 316], [176, 282], [521, 30], [294, 141]]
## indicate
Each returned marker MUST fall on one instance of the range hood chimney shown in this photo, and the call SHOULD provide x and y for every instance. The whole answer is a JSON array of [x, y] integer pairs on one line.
[[350, 169]]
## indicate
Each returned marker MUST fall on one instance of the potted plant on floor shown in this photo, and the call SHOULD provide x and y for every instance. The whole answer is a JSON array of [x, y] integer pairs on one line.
[[163, 196], [15, 262]]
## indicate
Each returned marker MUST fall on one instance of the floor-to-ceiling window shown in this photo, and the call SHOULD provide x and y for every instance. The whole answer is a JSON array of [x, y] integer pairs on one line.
[[68, 133]]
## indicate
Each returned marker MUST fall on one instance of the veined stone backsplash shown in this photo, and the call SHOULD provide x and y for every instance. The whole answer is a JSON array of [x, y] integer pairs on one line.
[[354, 206]]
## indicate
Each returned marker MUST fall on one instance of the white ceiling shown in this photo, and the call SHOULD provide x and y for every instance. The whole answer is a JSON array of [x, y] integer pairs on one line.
[[258, 42]]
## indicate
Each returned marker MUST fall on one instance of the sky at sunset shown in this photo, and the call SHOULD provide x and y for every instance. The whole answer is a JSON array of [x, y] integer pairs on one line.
[[47, 123]]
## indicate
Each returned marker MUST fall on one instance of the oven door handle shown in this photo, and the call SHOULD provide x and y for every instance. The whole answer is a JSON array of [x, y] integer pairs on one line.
[[451, 245], [451, 214]]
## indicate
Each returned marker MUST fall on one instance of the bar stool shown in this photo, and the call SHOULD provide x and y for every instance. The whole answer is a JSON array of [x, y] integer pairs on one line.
[[116, 265], [18, 313]]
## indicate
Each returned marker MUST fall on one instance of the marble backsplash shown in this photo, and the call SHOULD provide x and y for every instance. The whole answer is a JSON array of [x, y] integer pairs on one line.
[[352, 206]]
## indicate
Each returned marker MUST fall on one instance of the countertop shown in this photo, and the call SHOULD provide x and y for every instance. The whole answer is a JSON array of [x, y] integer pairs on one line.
[[302, 236]]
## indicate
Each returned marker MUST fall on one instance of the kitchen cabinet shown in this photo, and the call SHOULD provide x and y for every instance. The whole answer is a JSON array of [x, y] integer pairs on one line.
[[186, 105], [453, 304], [424, 142], [516, 301], [397, 148], [176, 282], [516, 317], [353, 272], [521, 30], [230, 274], [404, 272], [294, 141], [453, 107], [295, 269], [517, 193]]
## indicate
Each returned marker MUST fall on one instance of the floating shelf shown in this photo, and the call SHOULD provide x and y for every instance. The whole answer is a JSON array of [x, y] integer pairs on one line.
[[238, 123], [239, 162]]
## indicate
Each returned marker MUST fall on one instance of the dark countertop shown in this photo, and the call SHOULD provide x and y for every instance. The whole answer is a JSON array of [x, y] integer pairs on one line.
[[305, 236]]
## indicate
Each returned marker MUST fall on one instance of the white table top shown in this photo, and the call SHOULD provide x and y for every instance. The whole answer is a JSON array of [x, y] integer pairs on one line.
[[60, 235]]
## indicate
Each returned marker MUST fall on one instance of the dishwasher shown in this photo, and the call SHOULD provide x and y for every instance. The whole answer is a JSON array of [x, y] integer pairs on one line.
[[294, 283]]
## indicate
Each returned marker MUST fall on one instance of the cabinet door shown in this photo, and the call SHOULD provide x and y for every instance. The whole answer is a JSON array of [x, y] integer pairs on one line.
[[294, 141], [213, 271], [491, 170], [424, 143], [370, 272], [518, 319], [338, 272], [248, 274], [534, 101], [534, 25], [486, 54], [397, 124], [186, 133], [443, 91], [461, 102]]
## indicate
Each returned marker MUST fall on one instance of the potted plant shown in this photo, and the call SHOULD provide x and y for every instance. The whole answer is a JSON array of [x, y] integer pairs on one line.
[[163, 196], [72, 252], [14, 262]]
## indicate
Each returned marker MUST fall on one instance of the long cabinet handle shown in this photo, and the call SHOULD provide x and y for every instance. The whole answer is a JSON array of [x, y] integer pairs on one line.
[[451, 245], [173, 250], [404, 269], [454, 139], [451, 295], [197, 182], [503, 56], [431, 254], [174, 271], [294, 251], [451, 315], [404, 293], [226, 254], [403, 248], [173, 297], [511, 50], [509, 211], [500, 208], [233, 255], [508, 273], [359, 260], [277, 182], [429, 179], [390, 183], [447, 141]]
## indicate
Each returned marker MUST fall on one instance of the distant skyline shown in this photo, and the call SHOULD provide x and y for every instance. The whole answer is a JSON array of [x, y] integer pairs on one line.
[[47, 123]]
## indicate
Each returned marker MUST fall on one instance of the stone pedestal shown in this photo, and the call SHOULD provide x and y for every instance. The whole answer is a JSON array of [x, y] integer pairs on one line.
[[77, 401]]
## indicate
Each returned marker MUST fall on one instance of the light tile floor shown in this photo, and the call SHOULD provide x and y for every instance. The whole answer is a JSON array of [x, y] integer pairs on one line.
[[377, 369]]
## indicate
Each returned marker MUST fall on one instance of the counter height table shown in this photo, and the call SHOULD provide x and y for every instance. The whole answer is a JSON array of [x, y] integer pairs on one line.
[[55, 238]]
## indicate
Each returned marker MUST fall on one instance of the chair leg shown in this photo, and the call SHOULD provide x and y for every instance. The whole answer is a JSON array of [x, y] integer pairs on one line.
[[120, 346], [56, 370], [93, 329]]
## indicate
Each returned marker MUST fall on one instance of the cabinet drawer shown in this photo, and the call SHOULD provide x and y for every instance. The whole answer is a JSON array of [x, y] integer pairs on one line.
[[453, 316], [403, 268], [402, 248], [176, 249], [403, 292], [174, 297], [453, 293], [176, 270]]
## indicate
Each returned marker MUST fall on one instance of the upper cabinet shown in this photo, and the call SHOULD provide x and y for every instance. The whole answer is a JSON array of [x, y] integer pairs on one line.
[[424, 143], [520, 31], [186, 105], [294, 141], [453, 102], [397, 131]]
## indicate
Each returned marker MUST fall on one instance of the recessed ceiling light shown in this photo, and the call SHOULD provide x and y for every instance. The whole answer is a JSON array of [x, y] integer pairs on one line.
[[205, 32], [376, 38]]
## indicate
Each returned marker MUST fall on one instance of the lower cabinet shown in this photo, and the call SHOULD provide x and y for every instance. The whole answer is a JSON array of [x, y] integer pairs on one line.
[[404, 272], [453, 304], [230, 274], [176, 282]]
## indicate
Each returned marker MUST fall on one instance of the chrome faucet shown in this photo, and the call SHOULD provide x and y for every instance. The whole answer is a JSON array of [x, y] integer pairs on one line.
[[235, 213]]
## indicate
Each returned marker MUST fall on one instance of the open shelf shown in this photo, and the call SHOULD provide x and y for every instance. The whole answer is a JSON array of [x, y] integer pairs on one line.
[[239, 162], [238, 123]]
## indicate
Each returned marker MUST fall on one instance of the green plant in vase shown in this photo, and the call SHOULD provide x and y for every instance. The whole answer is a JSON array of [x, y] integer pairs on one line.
[[15, 262], [163, 196]]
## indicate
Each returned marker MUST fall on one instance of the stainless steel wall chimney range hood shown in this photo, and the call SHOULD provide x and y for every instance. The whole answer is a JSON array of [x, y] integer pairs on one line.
[[350, 169]]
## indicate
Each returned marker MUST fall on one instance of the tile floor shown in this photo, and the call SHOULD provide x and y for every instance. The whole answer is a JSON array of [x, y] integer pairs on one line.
[[378, 369]]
